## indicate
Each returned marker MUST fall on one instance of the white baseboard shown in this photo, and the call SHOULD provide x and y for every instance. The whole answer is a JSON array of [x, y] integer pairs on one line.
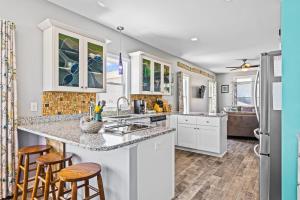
[[220, 155]]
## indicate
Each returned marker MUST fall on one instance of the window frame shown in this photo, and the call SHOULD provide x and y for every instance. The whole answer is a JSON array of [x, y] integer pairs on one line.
[[252, 81], [110, 57]]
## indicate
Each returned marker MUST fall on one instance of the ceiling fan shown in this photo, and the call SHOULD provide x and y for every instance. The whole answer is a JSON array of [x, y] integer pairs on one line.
[[244, 67]]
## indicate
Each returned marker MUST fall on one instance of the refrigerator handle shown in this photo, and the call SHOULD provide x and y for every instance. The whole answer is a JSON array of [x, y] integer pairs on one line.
[[256, 151], [255, 96], [256, 133]]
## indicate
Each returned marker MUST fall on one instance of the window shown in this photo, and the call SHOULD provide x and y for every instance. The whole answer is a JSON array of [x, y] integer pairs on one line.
[[186, 94], [212, 96], [116, 84], [244, 91]]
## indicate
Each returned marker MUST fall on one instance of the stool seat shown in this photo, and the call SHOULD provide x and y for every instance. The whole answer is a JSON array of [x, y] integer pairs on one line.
[[34, 149], [79, 172], [53, 158]]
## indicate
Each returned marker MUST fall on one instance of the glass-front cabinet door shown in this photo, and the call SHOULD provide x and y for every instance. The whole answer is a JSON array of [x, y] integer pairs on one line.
[[157, 77], [167, 80], [72, 62], [95, 61], [80, 63], [68, 60], [146, 85]]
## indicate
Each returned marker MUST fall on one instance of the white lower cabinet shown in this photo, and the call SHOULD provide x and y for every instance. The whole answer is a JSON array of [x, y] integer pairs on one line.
[[202, 134], [187, 135], [208, 139], [173, 124], [156, 168]]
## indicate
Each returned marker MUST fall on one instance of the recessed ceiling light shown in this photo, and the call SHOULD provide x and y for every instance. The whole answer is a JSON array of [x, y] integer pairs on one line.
[[228, 0], [194, 39], [100, 3]]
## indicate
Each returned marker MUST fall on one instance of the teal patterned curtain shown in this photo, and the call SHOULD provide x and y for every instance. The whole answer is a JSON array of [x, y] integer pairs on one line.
[[8, 119]]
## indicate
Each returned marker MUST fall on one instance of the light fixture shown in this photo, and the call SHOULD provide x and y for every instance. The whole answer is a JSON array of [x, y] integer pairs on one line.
[[194, 39], [228, 0], [100, 3], [120, 29], [244, 69]]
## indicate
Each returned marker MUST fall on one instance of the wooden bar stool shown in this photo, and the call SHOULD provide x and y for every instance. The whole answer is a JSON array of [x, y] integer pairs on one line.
[[80, 172], [48, 162], [27, 152]]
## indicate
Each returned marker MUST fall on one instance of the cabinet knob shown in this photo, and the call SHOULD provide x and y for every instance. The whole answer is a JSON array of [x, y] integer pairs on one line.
[[82, 87]]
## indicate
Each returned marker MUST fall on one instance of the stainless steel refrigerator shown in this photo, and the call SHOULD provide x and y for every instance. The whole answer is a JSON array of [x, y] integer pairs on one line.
[[268, 110]]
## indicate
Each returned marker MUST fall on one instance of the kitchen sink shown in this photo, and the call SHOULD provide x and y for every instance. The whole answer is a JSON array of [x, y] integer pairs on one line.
[[121, 129]]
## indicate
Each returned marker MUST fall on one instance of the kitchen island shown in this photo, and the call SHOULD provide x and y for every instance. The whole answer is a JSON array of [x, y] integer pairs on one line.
[[204, 133], [135, 166]]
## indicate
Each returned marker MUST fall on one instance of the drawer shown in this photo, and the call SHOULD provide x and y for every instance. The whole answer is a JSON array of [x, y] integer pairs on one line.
[[185, 119], [208, 121]]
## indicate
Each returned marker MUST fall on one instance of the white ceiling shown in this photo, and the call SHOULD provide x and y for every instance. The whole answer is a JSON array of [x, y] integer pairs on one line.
[[226, 31]]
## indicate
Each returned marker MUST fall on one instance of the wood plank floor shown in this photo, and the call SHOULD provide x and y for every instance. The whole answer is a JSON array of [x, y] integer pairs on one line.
[[233, 177]]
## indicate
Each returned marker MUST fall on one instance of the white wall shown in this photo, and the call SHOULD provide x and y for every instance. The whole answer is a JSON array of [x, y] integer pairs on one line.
[[225, 99], [197, 104], [27, 14]]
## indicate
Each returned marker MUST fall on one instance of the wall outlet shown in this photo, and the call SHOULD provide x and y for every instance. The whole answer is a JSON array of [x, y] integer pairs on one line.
[[33, 107]]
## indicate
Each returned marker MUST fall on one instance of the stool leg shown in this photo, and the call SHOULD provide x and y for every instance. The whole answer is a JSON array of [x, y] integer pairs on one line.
[[100, 187], [52, 186], [47, 183], [25, 180], [17, 181], [36, 181], [86, 189], [60, 189], [74, 191]]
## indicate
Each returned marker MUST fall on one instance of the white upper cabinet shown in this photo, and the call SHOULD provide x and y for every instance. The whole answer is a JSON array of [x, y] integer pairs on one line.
[[149, 74], [72, 62]]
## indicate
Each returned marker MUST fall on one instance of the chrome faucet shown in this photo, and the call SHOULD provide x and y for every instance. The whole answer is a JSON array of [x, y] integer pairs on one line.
[[118, 104]]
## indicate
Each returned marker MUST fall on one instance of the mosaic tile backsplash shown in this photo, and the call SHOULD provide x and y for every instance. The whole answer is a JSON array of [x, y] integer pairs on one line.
[[150, 99], [65, 103]]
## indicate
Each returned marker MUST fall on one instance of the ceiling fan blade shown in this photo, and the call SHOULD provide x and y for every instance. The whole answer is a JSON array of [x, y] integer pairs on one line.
[[253, 66], [233, 67], [242, 59]]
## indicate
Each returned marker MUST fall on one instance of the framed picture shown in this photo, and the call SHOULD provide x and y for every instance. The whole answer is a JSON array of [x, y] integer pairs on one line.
[[224, 88]]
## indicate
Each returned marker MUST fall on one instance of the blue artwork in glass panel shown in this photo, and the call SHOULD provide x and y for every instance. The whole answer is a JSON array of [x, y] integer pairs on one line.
[[95, 80], [68, 61], [95, 65]]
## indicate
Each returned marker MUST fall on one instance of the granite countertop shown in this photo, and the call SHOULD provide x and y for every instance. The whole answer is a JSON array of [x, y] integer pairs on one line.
[[141, 116], [202, 114], [68, 131]]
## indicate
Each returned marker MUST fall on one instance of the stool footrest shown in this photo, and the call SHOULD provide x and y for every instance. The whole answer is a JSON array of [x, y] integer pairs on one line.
[[93, 188], [92, 196], [41, 195], [29, 170]]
